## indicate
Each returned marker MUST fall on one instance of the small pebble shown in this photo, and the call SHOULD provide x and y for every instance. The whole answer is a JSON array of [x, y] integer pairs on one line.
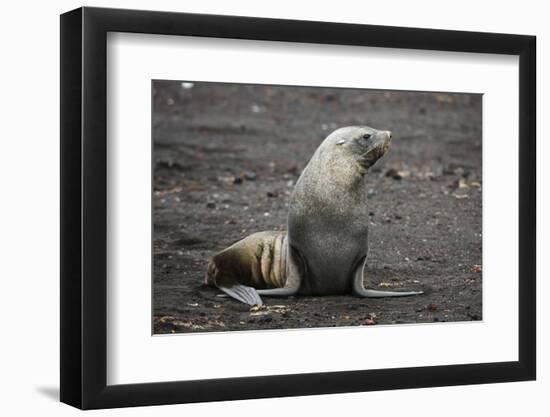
[[249, 175], [395, 174]]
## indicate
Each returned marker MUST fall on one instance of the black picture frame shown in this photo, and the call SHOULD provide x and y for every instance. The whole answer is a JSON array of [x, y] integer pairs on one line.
[[84, 207]]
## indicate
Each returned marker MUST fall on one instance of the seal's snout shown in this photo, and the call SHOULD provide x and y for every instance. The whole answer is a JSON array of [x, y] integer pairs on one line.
[[387, 140], [382, 143], [363, 143]]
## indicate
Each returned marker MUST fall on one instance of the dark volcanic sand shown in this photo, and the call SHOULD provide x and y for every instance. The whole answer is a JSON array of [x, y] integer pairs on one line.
[[225, 161]]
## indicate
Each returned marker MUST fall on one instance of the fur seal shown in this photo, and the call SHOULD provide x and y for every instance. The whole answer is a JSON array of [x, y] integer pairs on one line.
[[325, 249]]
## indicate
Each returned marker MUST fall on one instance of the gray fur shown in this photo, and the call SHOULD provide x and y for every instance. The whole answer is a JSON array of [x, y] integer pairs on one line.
[[326, 247]]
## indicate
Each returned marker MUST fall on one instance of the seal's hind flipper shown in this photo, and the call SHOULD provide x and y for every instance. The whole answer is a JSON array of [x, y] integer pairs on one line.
[[242, 293]]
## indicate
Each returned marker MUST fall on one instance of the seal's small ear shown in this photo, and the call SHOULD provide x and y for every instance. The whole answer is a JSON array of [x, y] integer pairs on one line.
[[341, 142]]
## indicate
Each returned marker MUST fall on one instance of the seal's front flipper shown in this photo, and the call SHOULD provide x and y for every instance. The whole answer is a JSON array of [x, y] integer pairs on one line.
[[242, 293], [380, 294], [361, 291], [294, 271], [278, 292]]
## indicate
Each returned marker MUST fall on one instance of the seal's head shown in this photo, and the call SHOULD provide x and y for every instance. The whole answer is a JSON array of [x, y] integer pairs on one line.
[[361, 144]]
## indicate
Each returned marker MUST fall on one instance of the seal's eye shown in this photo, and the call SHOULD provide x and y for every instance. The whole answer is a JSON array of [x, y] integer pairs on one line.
[[364, 140]]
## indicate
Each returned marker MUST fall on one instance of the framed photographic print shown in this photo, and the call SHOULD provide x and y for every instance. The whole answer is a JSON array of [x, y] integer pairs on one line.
[[257, 208]]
